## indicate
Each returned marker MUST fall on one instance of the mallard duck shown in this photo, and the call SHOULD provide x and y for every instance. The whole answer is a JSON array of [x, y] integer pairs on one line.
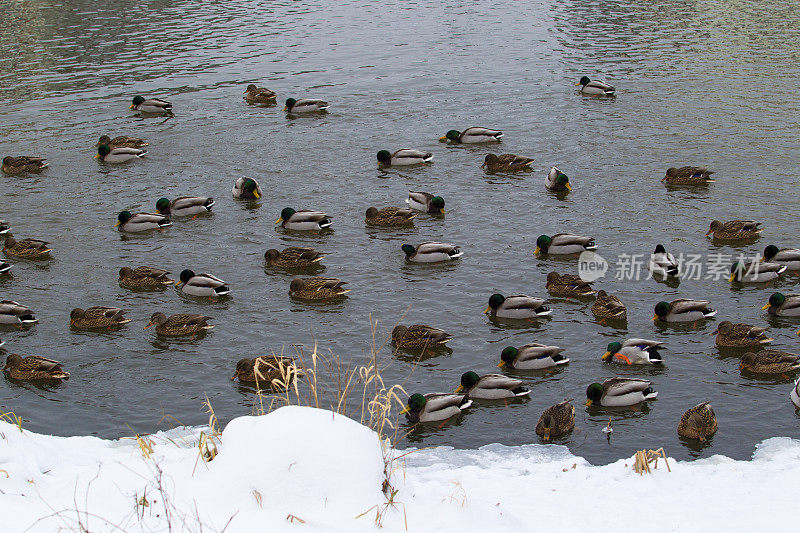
[[784, 256], [491, 386], [740, 335], [434, 406], [144, 277], [556, 420], [557, 181], [4, 267], [596, 87], [472, 135], [184, 206], [26, 248], [755, 272], [532, 356], [568, 285], [609, 306], [16, 314], [683, 310], [620, 392], [293, 257], [431, 252], [265, 370], [4, 227], [634, 352], [564, 244], [769, 362], [506, 162], [122, 141], [305, 105], [180, 324], [107, 154], [390, 216], [516, 307], [403, 157], [246, 189], [97, 318], [33, 368], [734, 230], [151, 105], [699, 422], [317, 288], [663, 263], [419, 337], [202, 284], [303, 220], [259, 95], [425, 202], [138, 222], [17, 165], [782, 305], [795, 394], [687, 176]]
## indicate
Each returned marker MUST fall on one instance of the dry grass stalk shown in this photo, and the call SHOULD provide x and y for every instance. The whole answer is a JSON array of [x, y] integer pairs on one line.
[[145, 446], [291, 518], [643, 458], [12, 418]]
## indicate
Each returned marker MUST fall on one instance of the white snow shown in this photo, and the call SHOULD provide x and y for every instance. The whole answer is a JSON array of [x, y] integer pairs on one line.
[[326, 469]]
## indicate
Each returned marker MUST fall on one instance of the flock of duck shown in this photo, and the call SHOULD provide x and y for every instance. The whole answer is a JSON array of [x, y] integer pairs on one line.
[[699, 422]]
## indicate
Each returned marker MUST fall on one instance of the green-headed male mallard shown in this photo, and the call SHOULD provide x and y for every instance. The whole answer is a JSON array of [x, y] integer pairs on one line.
[[16, 314], [783, 256], [595, 87], [266, 371], [204, 285], [634, 352], [180, 324], [144, 278], [419, 337], [687, 176], [431, 252], [246, 189], [184, 206], [568, 285], [532, 356], [303, 220], [33, 368], [138, 222], [608, 306], [97, 318], [293, 257], [259, 95], [472, 135], [317, 288], [663, 263], [517, 307], [557, 181], [683, 310], [18, 165], [425, 202], [740, 335], [564, 244], [620, 392], [434, 406], [106, 154], [755, 272], [699, 422], [769, 362], [556, 420], [122, 141], [305, 105], [491, 386], [734, 230], [780, 304], [26, 248], [153, 106], [390, 217], [506, 162], [403, 157]]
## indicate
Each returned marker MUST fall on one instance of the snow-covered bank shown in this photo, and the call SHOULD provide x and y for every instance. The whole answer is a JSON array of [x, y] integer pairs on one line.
[[326, 469]]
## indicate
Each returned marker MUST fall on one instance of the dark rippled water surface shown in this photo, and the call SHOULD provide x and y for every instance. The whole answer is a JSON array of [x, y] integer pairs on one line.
[[709, 83]]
